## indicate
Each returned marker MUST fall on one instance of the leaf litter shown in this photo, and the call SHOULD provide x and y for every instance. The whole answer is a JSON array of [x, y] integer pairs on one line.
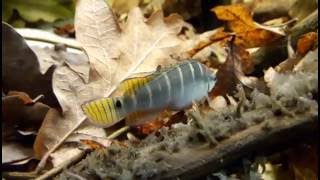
[[138, 45]]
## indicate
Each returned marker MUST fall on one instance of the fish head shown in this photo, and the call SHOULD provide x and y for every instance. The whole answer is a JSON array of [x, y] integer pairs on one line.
[[104, 112]]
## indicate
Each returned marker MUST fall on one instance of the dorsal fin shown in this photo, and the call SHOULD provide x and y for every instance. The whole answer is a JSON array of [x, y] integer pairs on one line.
[[129, 86]]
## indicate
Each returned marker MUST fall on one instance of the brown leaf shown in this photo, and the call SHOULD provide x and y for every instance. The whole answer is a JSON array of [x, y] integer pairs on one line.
[[248, 33], [165, 119], [231, 72], [48, 132], [255, 38], [20, 68], [22, 96], [306, 42], [238, 17], [65, 30], [93, 145], [19, 116]]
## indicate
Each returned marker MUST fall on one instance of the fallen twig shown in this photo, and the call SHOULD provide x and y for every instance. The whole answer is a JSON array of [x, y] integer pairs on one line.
[[43, 161], [118, 132], [63, 165]]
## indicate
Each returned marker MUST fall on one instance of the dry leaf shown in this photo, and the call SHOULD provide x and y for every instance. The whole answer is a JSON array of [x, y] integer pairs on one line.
[[218, 103], [238, 17], [231, 72], [199, 42], [166, 118], [93, 145], [71, 92], [14, 151], [53, 56], [49, 133], [147, 45], [22, 96], [20, 68], [141, 41], [248, 33], [64, 154], [98, 33], [19, 116], [306, 42], [66, 30]]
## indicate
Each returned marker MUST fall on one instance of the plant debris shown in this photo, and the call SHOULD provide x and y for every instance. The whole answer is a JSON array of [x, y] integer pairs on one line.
[[256, 122]]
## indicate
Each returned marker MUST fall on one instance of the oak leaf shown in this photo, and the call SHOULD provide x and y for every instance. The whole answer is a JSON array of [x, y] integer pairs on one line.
[[248, 33]]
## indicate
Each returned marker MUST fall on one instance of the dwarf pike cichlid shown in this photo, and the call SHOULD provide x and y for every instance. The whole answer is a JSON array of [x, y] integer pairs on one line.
[[172, 88]]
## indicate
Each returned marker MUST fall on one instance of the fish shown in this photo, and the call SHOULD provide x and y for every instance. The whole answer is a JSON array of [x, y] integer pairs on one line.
[[170, 88]]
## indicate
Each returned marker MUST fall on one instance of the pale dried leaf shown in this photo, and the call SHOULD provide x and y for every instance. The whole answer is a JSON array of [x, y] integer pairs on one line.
[[98, 33], [48, 57], [147, 45], [194, 44], [278, 29], [218, 103], [71, 92], [13, 151]]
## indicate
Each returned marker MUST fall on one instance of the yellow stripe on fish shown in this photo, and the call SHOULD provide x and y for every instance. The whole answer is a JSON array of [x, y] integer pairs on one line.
[[129, 86], [172, 88], [102, 112]]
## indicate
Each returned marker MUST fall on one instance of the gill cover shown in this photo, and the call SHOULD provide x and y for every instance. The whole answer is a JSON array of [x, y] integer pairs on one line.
[[104, 112]]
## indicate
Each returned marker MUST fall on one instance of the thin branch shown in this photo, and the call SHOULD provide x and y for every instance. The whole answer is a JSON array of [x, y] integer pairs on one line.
[[43, 161], [63, 165], [118, 132], [43, 36]]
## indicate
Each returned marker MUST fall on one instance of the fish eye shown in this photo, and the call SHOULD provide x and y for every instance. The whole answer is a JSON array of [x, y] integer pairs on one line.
[[118, 104]]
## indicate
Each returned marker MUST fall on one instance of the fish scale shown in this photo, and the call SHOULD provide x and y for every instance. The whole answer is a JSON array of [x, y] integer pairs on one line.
[[173, 88]]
